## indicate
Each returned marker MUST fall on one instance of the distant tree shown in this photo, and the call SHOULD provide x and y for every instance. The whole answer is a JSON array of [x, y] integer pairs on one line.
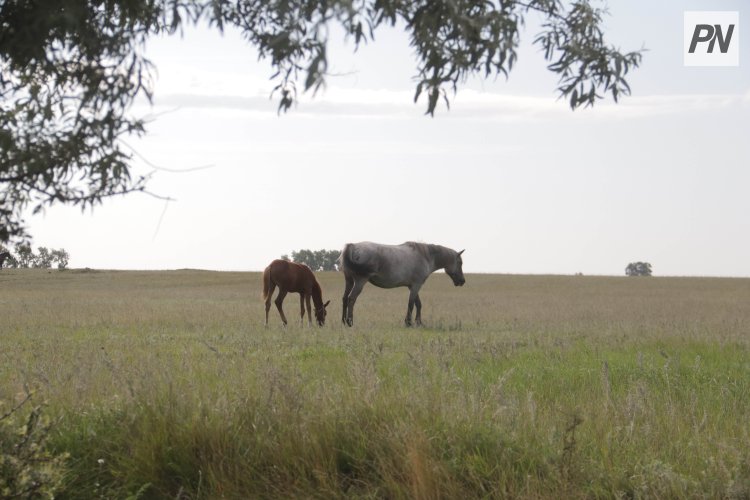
[[24, 256], [638, 269], [61, 256], [318, 260], [328, 259], [4, 256], [8, 260], [42, 259], [306, 257]]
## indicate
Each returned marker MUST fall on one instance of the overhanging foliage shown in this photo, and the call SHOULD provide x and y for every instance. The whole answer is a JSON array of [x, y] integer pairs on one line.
[[71, 69]]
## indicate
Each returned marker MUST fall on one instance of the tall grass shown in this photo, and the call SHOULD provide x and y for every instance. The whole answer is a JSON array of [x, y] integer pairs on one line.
[[166, 384]]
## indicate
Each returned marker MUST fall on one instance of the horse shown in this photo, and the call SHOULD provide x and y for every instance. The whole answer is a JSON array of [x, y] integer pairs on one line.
[[390, 266], [3, 256], [295, 278]]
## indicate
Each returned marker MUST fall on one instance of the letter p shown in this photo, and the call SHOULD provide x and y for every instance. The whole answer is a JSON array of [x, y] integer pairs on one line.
[[699, 37]]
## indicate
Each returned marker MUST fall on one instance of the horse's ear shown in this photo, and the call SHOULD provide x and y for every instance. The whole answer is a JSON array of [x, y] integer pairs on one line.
[[326, 304], [462, 251]]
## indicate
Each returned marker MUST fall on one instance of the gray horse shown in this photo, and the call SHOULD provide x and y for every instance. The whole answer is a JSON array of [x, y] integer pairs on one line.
[[390, 266]]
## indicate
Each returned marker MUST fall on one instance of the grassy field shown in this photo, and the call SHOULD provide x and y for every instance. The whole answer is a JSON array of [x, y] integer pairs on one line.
[[167, 385]]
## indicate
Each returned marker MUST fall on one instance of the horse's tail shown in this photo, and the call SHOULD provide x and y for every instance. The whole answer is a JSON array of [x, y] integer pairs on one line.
[[349, 262], [266, 282], [340, 261]]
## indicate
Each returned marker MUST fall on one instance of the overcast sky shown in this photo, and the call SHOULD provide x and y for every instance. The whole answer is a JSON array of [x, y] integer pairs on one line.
[[509, 173]]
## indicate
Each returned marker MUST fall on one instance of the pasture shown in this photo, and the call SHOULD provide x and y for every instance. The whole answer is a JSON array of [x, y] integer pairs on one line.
[[167, 385]]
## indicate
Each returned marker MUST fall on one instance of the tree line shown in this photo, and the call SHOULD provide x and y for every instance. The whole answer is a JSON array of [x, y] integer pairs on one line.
[[317, 260], [327, 260], [23, 257]]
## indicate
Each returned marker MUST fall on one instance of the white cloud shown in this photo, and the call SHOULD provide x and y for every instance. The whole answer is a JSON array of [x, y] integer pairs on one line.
[[240, 89], [466, 104]]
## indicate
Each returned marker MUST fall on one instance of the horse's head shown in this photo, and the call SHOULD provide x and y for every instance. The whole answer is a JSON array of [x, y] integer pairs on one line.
[[455, 271], [320, 314]]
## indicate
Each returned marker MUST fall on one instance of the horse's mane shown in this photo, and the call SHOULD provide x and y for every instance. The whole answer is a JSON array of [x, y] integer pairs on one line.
[[423, 248], [428, 250]]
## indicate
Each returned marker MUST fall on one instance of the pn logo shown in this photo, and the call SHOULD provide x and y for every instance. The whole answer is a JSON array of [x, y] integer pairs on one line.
[[712, 38]]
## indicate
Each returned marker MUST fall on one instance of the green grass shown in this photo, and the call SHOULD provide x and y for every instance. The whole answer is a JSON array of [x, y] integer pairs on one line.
[[166, 384]]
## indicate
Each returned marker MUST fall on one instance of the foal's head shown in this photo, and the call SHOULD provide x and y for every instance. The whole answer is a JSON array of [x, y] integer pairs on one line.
[[320, 314], [455, 271]]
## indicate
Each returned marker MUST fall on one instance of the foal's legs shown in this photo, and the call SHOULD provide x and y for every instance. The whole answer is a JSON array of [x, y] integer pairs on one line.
[[309, 309], [345, 299], [271, 289], [414, 300], [280, 300], [359, 283], [302, 308]]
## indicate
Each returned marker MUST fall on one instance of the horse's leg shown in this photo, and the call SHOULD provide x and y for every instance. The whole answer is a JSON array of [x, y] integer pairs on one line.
[[271, 289], [418, 303], [309, 309], [359, 283], [345, 299], [302, 309], [413, 299], [279, 301]]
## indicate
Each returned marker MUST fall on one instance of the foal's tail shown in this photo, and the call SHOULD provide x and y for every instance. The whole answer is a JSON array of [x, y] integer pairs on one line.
[[266, 282]]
